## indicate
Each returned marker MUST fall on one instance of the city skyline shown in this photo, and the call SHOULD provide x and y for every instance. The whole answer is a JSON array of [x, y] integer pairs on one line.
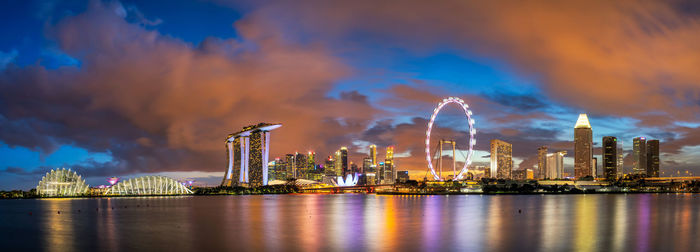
[[151, 92]]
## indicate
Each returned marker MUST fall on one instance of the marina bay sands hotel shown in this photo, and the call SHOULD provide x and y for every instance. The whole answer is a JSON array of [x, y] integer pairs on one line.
[[247, 152]]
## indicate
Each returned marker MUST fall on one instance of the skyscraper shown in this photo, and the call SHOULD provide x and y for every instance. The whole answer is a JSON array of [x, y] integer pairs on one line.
[[653, 158], [541, 162], [583, 148], [501, 159], [610, 157], [620, 159], [594, 167], [289, 162], [389, 167], [300, 166], [329, 169], [373, 155], [338, 164], [367, 165], [344, 160], [639, 152], [555, 165]]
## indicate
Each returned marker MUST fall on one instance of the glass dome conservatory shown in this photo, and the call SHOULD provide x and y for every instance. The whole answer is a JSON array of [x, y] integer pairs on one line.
[[61, 183], [149, 185]]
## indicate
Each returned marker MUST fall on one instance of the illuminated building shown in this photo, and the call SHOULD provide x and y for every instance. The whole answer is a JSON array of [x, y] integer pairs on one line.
[[380, 173], [289, 162], [61, 183], [247, 153], [653, 158], [555, 165], [329, 168], [338, 163], [367, 165], [148, 185], [583, 148], [301, 166], [501, 159], [541, 162], [389, 167], [311, 160], [530, 174], [610, 157], [594, 167], [639, 158], [354, 168], [370, 178], [402, 176], [373, 155], [620, 159], [344, 160]]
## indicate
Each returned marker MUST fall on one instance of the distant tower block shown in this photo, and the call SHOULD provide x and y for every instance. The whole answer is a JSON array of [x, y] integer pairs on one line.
[[247, 152]]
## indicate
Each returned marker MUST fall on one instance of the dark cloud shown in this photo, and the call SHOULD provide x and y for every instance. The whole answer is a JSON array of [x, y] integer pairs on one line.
[[158, 104], [519, 101]]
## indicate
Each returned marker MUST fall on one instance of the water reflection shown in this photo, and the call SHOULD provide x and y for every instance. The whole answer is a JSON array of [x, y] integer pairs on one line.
[[59, 233], [358, 222]]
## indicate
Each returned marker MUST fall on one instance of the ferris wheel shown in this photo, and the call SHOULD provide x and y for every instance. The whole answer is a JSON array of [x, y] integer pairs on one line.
[[471, 139]]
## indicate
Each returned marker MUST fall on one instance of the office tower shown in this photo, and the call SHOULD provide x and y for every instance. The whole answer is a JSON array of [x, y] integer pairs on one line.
[[620, 159], [329, 168], [344, 161], [594, 167], [290, 164], [353, 168], [610, 157], [583, 148], [389, 174], [402, 176], [501, 159], [381, 173], [639, 161], [367, 165], [555, 165], [653, 158], [373, 155], [541, 162], [300, 165], [311, 160], [338, 163], [530, 174], [520, 174]]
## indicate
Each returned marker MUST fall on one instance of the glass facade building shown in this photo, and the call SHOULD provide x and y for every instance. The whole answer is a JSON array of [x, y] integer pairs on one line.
[[148, 185], [61, 183], [501, 159], [583, 148]]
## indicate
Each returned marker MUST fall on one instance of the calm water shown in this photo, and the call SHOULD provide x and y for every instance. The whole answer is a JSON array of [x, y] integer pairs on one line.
[[356, 222]]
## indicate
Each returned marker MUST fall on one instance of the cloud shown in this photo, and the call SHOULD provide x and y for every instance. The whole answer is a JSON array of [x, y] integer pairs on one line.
[[624, 58], [160, 104], [7, 57]]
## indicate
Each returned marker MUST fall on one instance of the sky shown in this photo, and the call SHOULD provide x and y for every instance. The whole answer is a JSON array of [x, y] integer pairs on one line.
[[132, 88]]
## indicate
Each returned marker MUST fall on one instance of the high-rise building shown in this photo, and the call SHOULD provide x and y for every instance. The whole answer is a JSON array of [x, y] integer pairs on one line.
[[610, 157], [338, 164], [301, 166], [639, 158], [583, 148], [311, 160], [653, 158], [373, 154], [620, 159], [555, 165], [389, 166], [402, 176], [367, 165], [344, 161], [289, 165], [541, 162], [501, 159], [329, 168], [594, 165]]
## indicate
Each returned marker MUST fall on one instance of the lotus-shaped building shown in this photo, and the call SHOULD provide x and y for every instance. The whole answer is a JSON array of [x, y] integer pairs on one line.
[[349, 180]]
